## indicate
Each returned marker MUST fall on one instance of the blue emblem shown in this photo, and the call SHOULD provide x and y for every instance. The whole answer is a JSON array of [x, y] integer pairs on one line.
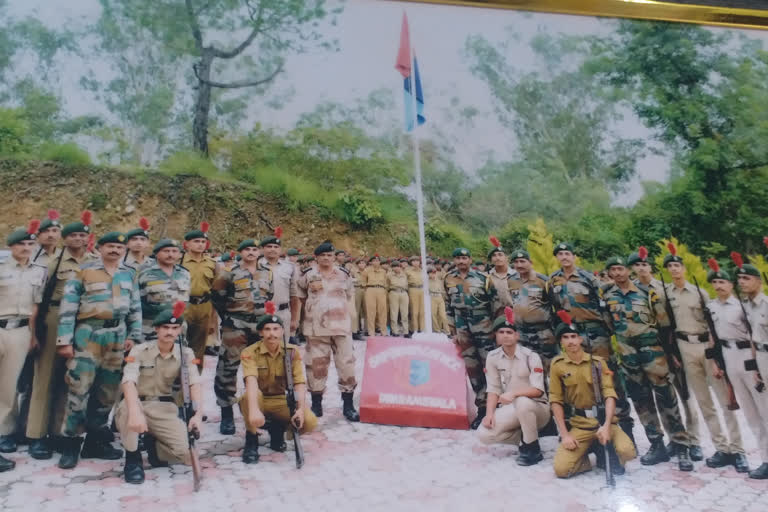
[[419, 372]]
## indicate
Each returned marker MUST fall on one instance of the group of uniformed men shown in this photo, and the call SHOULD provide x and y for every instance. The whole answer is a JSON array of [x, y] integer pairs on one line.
[[79, 309]]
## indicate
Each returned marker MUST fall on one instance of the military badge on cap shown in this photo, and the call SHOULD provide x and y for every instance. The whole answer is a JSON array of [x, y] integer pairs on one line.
[[52, 220]]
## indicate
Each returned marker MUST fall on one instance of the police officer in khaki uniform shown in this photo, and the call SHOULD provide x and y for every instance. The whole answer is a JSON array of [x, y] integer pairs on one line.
[[437, 296], [21, 290], [48, 239], [415, 294], [397, 288], [264, 402], [285, 276], [202, 273], [515, 380], [148, 404], [359, 311], [374, 279]]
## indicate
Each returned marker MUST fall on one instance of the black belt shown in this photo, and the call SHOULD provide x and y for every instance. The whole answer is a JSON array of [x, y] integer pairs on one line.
[[14, 323], [585, 413], [736, 344], [686, 337], [417, 286], [107, 324], [761, 347], [164, 398], [283, 307], [199, 299], [374, 286], [54, 303]]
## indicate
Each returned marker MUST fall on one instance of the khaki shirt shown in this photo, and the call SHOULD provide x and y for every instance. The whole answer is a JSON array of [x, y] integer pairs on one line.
[[201, 274], [21, 287], [531, 299], [153, 373], [686, 306], [68, 269], [523, 370], [373, 277], [329, 300], [43, 258], [757, 312], [285, 278], [414, 277], [570, 383], [728, 319], [269, 369], [503, 295], [397, 282], [436, 287]]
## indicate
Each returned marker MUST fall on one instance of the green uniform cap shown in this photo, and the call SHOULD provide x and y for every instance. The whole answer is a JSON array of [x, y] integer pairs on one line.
[[225, 257], [20, 235], [374, 257], [271, 239], [562, 246], [74, 227], [238, 258], [615, 261], [292, 252], [748, 270], [340, 251], [494, 251], [635, 258], [113, 237], [166, 317], [49, 223], [501, 323], [669, 258], [268, 319], [520, 254], [246, 243], [461, 251], [720, 274], [136, 232], [564, 328], [163, 243], [324, 247]]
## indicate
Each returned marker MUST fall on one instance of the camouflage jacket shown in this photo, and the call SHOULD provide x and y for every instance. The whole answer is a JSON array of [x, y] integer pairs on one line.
[[531, 299], [579, 295], [94, 294], [329, 299], [470, 301], [159, 291], [238, 293], [638, 312]]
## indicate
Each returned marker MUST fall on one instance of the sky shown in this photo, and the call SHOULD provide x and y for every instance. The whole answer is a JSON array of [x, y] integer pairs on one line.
[[368, 32]]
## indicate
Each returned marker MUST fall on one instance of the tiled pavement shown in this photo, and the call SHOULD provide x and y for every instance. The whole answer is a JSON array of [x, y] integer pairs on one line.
[[371, 468]]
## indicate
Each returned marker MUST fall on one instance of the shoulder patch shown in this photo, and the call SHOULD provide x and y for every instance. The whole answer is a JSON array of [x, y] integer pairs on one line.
[[306, 270], [344, 270], [129, 359], [538, 370]]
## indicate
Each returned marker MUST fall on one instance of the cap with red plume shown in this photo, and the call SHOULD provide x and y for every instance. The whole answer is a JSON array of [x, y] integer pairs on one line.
[[737, 260], [716, 272], [270, 317], [744, 269], [172, 315], [496, 246], [672, 257], [505, 321], [142, 230], [178, 309], [53, 214], [565, 326], [51, 220], [642, 252], [34, 226], [198, 233], [564, 317], [144, 224], [712, 262], [672, 249]]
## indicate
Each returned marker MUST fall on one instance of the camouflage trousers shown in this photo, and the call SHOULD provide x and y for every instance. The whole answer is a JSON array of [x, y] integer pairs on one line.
[[319, 350], [540, 339], [597, 340], [646, 374], [235, 336], [93, 376], [474, 348]]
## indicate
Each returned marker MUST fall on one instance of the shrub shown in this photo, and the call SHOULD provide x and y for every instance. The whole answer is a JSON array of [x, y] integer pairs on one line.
[[188, 162], [68, 153], [359, 208], [13, 129]]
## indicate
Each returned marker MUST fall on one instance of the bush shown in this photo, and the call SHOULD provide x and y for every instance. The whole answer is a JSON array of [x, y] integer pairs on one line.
[[13, 129], [98, 200], [359, 208], [188, 162], [407, 241], [68, 153]]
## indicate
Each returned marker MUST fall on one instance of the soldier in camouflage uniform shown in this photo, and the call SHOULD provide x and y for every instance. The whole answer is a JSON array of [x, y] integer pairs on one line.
[[636, 312], [161, 284], [239, 296], [470, 316], [99, 319], [504, 278], [327, 294]]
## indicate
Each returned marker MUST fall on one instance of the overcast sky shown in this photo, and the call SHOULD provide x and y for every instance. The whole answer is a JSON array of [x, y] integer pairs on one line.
[[368, 32]]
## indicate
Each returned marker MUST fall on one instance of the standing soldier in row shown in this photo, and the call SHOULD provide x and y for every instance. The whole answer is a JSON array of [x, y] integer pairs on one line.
[[239, 297], [503, 277], [470, 316], [285, 277], [136, 245], [693, 339], [162, 283], [733, 333], [358, 315], [48, 239], [341, 257], [21, 290], [202, 272], [533, 310], [636, 313], [292, 255], [415, 294], [437, 294], [397, 287], [374, 280], [99, 319], [48, 395], [327, 294]]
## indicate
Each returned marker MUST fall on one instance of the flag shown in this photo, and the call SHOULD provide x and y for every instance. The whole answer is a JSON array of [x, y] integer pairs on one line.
[[409, 100], [403, 63]]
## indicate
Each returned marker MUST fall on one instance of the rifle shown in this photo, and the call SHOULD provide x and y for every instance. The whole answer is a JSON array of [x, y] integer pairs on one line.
[[750, 364], [42, 310], [716, 353], [674, 357], [187, 411], [291, 398], [599, 410]]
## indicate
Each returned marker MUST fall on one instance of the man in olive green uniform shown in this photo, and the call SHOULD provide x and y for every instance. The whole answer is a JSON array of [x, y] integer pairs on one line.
[[202, 272], [374, 279], [264, 403], [397, 288]]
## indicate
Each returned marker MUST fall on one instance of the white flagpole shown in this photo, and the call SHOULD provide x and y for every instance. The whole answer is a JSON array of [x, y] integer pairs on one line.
[[420, 201]]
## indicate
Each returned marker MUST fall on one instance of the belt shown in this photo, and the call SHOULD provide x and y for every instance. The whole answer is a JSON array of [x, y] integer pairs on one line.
[[251, 319], [586, 413], [283, 307], [54, 303], [417, 286], [106, 324], [761, 347], [374, 286], [435, 294], [276, 394], [199, 299], [736, 344], [591, 323], [14, 323], [162, 398], [692, 338], [398, 290]]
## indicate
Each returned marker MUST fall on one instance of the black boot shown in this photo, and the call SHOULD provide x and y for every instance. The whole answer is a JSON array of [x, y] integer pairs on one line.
[[70, 452], [40, 449], [276, 436], [349, 407], [656, 453], [530, 454], [7, 444], [718, 460], [227, 425], [357, 336], [696, 453], [478, 419], [626, 424], [134, 468], [317, 404], [6, 465], [760, 473], [740, 462], [550, 429], [150, 444], [683, 459], [96, 446], [251, 449]]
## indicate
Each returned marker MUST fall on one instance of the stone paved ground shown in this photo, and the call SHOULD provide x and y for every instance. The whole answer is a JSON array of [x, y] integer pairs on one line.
[[372, 468]]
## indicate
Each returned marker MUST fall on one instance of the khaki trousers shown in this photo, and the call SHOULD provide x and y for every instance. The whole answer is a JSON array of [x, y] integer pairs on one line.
[[439, 317], [49, 391], [359, 313], [376, 310], [198, 319], [398, 312], [14, 346], [698, 373], [416, 296], [164, 424], [570, 462], [523, 418], [752, 403], [275, 408]]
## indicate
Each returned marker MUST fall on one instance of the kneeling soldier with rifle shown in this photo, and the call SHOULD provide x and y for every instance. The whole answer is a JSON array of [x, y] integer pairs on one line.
[[584, 384], [148, 404], [266, 384]]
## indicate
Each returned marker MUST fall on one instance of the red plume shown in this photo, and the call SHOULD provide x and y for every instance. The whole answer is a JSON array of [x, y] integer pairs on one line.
[[54, 215], [495, 241], [207, 244], [672, 249], [269, 307], [510, 314], [376, 255], [144, 223], [178, 308], [765, 240], [737, 259], [204, 227], [86, 217], [91, 242], [565, 317], [278, 232], [642, 252], [231, 254], [712, 262], [34, 226]]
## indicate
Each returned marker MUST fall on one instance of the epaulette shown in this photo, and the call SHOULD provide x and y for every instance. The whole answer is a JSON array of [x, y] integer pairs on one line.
[[179, 267], [605, 287], [344, 270], [645, 288], [585, 274], [542, 276], [558, 272], [558, 357], [306, 270]]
